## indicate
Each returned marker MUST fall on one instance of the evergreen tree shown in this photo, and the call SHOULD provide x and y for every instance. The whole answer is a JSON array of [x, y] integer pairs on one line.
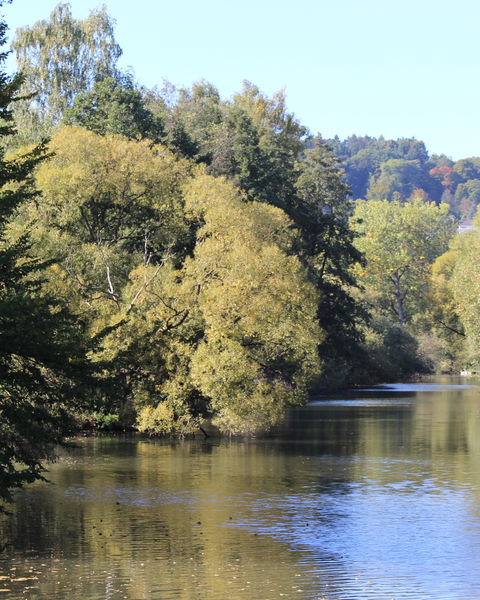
[[322, 210], [40, 347]]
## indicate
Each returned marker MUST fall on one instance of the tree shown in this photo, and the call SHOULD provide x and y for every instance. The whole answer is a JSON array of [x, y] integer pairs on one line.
[[59, 59], [161, 104], [108, 205], [200, 306], [196, 114], [465, 288], [400, 242], [251, 139], [467, 168], [247, 335], [440, 183], [114, 106], [254, 142], [397, 179], [467, 198], [280, 143], [442, 317], [361, 157], [236, 153], [322, 211], [41, 346]]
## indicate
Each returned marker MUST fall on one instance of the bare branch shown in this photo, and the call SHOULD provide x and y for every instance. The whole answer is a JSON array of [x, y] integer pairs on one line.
[[110, 286], [142, 288]]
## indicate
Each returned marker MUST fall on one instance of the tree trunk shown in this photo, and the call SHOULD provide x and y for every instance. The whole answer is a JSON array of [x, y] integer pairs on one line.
[[399, 298]]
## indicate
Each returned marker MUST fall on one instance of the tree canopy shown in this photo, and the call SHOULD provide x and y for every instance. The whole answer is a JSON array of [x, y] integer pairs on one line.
[[179, 275], [42, 349], [400, 242], [60, 58]]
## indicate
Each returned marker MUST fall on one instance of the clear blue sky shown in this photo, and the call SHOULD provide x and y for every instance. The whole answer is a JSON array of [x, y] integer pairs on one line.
[[408, 68]]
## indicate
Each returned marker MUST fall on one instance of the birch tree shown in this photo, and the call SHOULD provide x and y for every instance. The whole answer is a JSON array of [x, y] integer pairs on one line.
[[59, 58]]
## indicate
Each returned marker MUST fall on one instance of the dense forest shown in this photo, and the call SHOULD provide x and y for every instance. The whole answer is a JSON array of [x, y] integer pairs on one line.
[[169, 257]]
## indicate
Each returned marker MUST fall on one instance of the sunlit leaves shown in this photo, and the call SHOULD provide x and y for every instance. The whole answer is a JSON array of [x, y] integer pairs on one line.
[[464, 284], [60, 58], [400, 242], [247, 309], [195, 295]]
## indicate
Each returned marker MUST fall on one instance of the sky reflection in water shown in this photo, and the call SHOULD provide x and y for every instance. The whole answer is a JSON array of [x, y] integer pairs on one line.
[[368, 495]]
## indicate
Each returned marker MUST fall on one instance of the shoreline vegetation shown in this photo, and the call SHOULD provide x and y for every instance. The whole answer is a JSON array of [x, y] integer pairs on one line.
[[168, 256]]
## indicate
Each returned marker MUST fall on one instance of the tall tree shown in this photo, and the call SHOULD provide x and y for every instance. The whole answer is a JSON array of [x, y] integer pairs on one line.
[[108, 204], [60, 58], [198, 298], [247, 336], [114, 106], [322, 211], [280, 142], [464, 285], [41, 347], [400, 242]]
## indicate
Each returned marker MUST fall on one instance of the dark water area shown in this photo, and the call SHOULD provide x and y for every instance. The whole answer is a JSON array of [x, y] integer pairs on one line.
[[366, 495]]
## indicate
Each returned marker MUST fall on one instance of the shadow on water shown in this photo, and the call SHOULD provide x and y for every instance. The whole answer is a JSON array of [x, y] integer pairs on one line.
[[371, 494]]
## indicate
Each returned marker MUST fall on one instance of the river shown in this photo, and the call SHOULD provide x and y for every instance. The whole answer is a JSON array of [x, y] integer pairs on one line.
[[372, 495]]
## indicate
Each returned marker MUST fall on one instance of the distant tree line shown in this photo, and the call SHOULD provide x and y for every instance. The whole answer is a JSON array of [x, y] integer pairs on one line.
[[379, 169]]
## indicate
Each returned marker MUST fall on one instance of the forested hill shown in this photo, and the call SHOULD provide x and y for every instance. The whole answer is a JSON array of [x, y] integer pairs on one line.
[[401, 169]]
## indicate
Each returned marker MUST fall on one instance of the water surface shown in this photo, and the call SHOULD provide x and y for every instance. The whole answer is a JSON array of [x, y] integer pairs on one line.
[[373, 495]]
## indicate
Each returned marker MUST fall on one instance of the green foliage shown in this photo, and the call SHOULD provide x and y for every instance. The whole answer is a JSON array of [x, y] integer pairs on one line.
[[467, 198], [238, 320], [391, 353], [104, 196], [58, 59], [39, 367], [193, 294], [400, 242], [41, 346], [108, 205], [259, 311], [441, 319], [251, 139], [362, 157], [397, 180], [467, 168], [380, 169], [280, 141], [465, 288], [216, 273], [254, 142], [114, 106], [164, 419], [454, 299], [105, 421], [322, 212]]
